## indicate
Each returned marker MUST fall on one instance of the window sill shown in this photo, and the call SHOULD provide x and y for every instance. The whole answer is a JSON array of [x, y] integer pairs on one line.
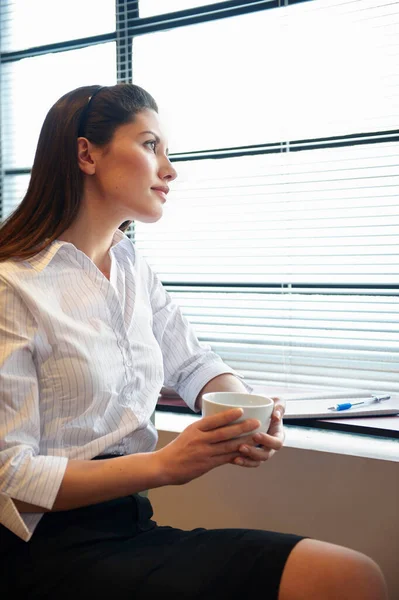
[[306, 438]]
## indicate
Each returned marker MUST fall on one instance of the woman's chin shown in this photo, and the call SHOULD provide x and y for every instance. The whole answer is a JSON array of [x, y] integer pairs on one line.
[[149, 217]]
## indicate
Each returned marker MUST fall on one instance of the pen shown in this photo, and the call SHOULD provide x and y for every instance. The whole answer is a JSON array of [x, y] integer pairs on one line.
[[347, 405]]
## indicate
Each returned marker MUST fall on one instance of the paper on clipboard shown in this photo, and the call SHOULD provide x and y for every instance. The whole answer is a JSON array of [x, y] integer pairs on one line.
[[318, 408]]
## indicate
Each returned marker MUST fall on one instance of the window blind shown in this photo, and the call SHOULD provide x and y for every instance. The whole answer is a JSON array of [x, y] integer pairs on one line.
[[41, 63], [150, 8], [280, 235], [28, 25], [290, 269]]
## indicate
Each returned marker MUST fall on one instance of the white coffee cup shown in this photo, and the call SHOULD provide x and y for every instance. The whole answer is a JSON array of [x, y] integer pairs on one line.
[[254, 406]]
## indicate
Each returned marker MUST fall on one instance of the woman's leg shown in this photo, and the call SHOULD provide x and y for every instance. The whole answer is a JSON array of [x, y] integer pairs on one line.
[[320, 571]]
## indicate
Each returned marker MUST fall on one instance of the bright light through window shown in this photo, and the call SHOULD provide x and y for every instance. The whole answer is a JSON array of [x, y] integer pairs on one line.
[[276, 75], [149, 8], [34, 84], [39, 22]]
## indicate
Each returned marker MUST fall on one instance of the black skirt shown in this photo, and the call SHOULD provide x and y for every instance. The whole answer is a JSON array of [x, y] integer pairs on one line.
[[116, 550]]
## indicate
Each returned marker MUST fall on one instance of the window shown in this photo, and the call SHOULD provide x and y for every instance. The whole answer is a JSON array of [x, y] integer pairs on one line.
[[51, 75], [38, 65], [149, 8], [280, 235], [54, 22]]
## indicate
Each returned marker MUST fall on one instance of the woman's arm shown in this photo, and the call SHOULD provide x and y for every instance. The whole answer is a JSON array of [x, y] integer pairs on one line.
[[189, 366], [204, 445], [24, 474], [187, 363], [91, 481], [200, 448], [222, 383]]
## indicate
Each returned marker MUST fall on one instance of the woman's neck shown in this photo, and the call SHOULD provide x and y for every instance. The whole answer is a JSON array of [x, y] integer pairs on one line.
[[95, 242]]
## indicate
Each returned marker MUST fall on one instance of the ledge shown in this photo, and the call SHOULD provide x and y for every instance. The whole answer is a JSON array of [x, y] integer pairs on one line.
[[306, 438]]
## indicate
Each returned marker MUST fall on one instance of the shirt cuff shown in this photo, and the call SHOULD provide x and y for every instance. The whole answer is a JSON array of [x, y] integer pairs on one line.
[[38, 485]]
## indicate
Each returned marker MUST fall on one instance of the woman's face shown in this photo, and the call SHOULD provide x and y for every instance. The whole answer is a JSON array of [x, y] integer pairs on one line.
[[132, 173]]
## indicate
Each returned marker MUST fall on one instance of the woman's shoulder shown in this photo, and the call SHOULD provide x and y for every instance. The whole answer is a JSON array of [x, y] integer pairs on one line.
[[26, 269], [8, 269], [12, 270], [16, 276]]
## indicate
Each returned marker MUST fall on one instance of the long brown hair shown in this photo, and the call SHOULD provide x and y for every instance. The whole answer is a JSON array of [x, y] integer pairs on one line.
[[55, 188]]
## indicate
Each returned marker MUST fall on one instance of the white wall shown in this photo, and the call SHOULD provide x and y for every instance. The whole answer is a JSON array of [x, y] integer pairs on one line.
[[341, 499]]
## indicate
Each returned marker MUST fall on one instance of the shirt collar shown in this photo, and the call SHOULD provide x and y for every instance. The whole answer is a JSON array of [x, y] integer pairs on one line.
[[43, 258], [119, 237]]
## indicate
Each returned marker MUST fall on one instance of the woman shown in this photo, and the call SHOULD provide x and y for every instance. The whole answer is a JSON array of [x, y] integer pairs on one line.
[[88, 336]]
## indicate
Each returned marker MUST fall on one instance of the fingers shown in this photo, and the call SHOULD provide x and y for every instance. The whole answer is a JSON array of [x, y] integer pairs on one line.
[[229, 436], [272, 442], [226, 439], [258, 448], [253, 456], [220, 419], [243, 462], [255, 453], [223, 426], [279, 409]]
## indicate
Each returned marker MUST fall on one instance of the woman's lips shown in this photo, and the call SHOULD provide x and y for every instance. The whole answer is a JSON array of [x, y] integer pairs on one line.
[[161, 192]]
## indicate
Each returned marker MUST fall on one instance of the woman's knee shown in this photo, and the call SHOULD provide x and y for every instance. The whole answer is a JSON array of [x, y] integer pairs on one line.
[[323, 571]]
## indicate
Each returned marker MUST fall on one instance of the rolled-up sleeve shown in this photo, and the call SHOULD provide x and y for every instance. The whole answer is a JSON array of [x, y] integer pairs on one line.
[[188, 364], [24, 474]]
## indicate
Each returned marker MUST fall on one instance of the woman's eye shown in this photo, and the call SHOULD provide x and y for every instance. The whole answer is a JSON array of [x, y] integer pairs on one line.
[[152, 144]]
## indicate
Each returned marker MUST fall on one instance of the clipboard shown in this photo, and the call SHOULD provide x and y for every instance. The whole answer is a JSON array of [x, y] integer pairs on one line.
[[318, 409]]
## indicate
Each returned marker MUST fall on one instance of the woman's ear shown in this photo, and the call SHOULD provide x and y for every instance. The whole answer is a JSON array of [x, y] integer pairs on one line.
[[86, 159]]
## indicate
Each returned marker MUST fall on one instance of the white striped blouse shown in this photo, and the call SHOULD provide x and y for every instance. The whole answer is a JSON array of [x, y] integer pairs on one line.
[[82, 362]]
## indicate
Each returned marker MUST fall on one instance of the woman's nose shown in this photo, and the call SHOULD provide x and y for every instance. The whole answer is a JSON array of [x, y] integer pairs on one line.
[[168, 172]]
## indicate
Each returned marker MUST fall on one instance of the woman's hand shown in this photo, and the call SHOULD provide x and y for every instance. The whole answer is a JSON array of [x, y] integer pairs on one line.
[[262, 446], [208, 443]]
